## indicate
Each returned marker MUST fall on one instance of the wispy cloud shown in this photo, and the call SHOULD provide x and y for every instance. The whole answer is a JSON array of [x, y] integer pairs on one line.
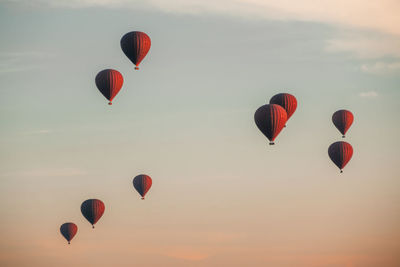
[[382, 68], [62, 172], [16, 61], [355, 15], [366, 45], [369, 94], [186, 253], [16, 55], [37, 132]]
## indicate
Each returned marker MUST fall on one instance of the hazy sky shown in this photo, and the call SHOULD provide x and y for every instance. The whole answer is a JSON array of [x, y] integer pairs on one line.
[[221, 195]]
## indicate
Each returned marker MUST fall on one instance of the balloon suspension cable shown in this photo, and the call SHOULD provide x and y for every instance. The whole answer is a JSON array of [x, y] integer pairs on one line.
[[271, 143], [110, 103], [341, 171], [136, 68]]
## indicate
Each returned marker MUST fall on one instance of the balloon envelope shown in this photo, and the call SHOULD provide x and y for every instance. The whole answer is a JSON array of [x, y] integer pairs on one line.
[[287, 101], [340, 153], [342, 119], [68, 230], [135, 46], [142, 184], [270, 119], [109, 82], [92, 210]]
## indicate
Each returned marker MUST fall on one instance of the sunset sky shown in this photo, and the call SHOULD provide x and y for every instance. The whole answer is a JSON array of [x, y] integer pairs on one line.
[[221, 196]]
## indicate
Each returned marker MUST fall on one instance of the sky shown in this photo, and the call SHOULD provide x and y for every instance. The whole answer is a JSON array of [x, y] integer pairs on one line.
[[221, 196]]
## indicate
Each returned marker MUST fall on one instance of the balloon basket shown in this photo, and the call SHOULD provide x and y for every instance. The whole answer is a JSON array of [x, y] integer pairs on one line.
[[343, 136], [92, 226], [110, 103], [271, 143], [136, 68], [142, 198], [341, 171]]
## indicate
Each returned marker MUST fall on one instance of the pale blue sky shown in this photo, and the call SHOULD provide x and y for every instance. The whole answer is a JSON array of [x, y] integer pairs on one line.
[[186, 119]]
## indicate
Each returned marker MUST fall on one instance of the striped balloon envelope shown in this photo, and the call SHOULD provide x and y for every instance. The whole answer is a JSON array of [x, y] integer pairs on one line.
[[68, 230], [109, 82], [340, 153], [270, 120], [92, 210], [287, 101], [142, 184], [342, 119], [135, 46]]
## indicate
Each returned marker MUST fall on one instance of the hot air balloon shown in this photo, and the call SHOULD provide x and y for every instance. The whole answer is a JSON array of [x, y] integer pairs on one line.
[[342, 119], [135, 45], [340, 153], [287, 101], [142, 184], [68, 230], [92, 210], [109, 82], [270, 119]]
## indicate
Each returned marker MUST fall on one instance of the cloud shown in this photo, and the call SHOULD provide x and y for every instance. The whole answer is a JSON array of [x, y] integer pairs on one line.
[[382, 52], [356, 15], [223, 237], [36, 132], [369, 94], [16, 55], [63, 172], [16, 61], [5, 69], [185, 253], [377, 15], [366, 45], [382, 68]]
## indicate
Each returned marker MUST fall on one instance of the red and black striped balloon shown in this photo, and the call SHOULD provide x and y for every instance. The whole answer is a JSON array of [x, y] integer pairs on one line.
[[270, 119], [135, 45], [142, 184], [340, 153], [287, 101], [342, 119], [92, 210], [109, 82], [68, 230]]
